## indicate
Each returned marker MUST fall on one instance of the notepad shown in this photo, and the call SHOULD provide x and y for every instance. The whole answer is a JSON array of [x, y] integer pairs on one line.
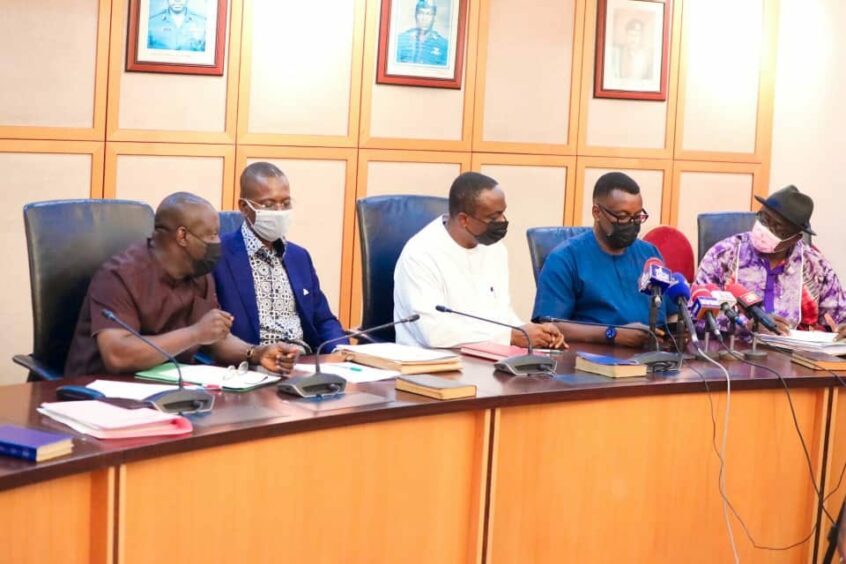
[[105, 421]]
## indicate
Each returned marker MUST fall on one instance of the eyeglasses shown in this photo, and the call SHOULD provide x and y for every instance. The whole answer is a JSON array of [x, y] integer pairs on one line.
[[625, 219], [778, 229], [243, 374], [286, 205]]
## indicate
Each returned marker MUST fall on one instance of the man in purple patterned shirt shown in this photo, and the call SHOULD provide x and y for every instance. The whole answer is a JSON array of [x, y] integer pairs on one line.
[[799, 286]]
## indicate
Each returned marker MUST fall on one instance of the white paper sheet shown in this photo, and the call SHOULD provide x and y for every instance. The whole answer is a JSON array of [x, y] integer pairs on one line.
[[349, 371], [131, 390]]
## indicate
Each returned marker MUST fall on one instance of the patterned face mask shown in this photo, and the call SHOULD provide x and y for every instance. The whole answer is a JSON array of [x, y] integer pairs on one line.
[[763, 239]]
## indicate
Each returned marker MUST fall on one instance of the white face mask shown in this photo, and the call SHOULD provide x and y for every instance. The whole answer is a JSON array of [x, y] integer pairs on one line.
[[763, 239], [271, 225]]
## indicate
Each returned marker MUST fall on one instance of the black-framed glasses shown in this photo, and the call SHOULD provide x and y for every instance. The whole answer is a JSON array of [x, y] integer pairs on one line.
[[625, 219], [778, 229]]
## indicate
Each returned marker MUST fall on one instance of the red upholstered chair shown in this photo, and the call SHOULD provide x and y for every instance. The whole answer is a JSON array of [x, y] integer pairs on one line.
[[674, 247]]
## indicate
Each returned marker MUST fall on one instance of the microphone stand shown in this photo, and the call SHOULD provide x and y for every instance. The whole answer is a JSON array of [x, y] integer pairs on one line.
[[731, 331], [170, 401], [520, 365], [754, 353], [320, 383], [654, 306]]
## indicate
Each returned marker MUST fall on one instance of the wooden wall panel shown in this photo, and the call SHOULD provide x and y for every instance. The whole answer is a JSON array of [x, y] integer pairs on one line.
[[527, 108], [53, 65], [527, 181], [298, 86]]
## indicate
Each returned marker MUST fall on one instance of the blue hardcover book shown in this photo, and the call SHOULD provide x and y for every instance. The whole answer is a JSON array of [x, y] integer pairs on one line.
[[606, 360], [33, 445], [611, 366]]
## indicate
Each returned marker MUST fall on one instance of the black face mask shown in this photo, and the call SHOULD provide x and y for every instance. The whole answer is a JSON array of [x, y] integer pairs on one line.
[[206, 263], [622, 235], [494, 231]]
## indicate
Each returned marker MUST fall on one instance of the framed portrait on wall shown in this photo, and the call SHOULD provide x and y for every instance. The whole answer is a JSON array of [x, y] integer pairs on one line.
[[632, 49], [176, 36], [421, 42]]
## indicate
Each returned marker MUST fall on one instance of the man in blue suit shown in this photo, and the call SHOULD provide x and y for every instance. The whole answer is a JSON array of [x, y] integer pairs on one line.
[[266, 282]]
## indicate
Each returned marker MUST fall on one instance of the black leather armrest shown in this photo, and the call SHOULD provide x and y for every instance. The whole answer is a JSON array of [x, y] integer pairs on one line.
[[37, 370]]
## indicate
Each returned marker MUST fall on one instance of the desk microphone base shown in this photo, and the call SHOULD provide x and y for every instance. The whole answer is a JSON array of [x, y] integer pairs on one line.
[[316, 385], [526, 364]]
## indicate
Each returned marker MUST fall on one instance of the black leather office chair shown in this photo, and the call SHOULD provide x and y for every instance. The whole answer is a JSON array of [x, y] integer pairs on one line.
[[67, 241], [385, 224], [716, 226], [230, 221], [543, 239]]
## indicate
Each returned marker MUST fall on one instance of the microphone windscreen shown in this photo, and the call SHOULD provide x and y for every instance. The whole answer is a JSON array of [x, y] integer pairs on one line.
[[678, 290], [412, 318], [699, 292], [711, 287], [442, 309], [107, 313]]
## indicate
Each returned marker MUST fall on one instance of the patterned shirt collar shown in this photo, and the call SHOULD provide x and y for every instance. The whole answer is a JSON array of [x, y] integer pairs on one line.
[[255, 247]]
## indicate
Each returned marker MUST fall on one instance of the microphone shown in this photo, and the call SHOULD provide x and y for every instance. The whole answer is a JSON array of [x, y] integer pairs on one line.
[[655, 277], [654, 281], [652, 335], [520, 365], [183, 400], [322, 384], [680, 294], [705, 307], [727, 302], [749, 301]]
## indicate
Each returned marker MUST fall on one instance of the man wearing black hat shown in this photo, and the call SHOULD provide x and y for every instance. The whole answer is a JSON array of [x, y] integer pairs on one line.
[[797, 283]]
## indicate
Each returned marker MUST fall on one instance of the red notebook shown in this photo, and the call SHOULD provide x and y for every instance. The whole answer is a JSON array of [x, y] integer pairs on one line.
[[492, 351]]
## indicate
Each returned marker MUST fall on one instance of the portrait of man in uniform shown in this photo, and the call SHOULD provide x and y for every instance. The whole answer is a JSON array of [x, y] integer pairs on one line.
[[180, 26], [422, 44]]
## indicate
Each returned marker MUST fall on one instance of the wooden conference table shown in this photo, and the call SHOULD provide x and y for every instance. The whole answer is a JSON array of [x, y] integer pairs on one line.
[[572, 469]]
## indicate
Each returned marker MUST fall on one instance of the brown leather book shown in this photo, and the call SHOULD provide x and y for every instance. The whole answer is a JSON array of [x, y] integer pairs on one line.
[[436, 387], [819, 360]]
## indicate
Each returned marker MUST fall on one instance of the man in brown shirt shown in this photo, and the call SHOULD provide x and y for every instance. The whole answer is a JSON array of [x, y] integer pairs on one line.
[[163, 289]]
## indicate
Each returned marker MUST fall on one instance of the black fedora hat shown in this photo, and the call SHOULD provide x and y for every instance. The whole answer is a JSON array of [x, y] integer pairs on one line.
[[792, 205]]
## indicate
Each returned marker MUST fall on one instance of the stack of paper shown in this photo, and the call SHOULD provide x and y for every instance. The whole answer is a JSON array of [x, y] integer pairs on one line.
[[106, 421], [350, 372], [810, 341], [402, 358], [212, 376]]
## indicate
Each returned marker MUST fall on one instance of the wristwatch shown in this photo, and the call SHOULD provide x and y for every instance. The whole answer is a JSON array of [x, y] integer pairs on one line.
[[610, 335]]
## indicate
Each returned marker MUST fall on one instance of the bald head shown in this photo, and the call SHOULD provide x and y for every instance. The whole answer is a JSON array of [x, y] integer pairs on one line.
[[256, 175], [184, 209]]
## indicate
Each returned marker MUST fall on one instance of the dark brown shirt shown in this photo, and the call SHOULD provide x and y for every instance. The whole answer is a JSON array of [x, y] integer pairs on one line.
[[140, 292]]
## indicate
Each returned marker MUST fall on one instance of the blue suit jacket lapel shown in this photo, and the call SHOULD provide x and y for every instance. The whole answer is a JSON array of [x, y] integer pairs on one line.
[[239, 264], [297, 284]]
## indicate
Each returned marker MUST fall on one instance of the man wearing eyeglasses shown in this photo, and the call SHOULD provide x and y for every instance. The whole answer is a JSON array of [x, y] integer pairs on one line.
[[163, 289], [798, 285], [593, 277], [266, 282]]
